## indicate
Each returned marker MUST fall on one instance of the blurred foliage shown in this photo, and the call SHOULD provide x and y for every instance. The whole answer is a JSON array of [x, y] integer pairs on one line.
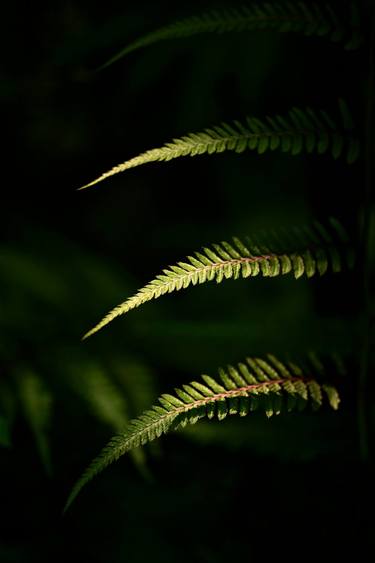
[[67, 257]]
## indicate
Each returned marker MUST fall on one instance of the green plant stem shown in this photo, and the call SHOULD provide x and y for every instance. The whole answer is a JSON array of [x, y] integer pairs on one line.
[[365, 246]]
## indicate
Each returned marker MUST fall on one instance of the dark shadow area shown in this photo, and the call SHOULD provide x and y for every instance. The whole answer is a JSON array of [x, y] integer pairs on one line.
[[242, 489]]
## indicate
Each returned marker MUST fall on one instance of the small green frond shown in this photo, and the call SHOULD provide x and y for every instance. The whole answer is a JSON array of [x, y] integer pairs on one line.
[[301, 130], [259, 384], [36, 402], [298, 17], [106, 402], [301, 252]]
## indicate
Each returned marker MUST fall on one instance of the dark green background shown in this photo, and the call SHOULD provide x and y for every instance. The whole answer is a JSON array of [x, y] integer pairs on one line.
[[241, 489]]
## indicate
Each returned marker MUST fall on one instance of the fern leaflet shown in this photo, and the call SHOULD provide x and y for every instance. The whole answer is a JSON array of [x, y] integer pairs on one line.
[[36, 401], [309, 251], [301, 130], [101, 395], [308, 19], [268, 385], [107, 403]]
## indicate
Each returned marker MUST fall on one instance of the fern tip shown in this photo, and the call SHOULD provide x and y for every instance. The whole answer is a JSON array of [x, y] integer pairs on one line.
[[89, 333], [92, 331], [69, 502], [86, 186], [86, 335]]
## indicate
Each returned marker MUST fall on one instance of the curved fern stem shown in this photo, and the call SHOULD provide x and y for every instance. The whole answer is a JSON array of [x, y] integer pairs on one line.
[[267, 384], [301, 130], [308, 251], [308, 19]]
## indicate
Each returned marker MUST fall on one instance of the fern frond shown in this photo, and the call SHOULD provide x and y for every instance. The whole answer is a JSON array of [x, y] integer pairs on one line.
[[268, 385], [36, 401], [98, 391], [107, 403], [300, 17], [301, 130], [308, 251]]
